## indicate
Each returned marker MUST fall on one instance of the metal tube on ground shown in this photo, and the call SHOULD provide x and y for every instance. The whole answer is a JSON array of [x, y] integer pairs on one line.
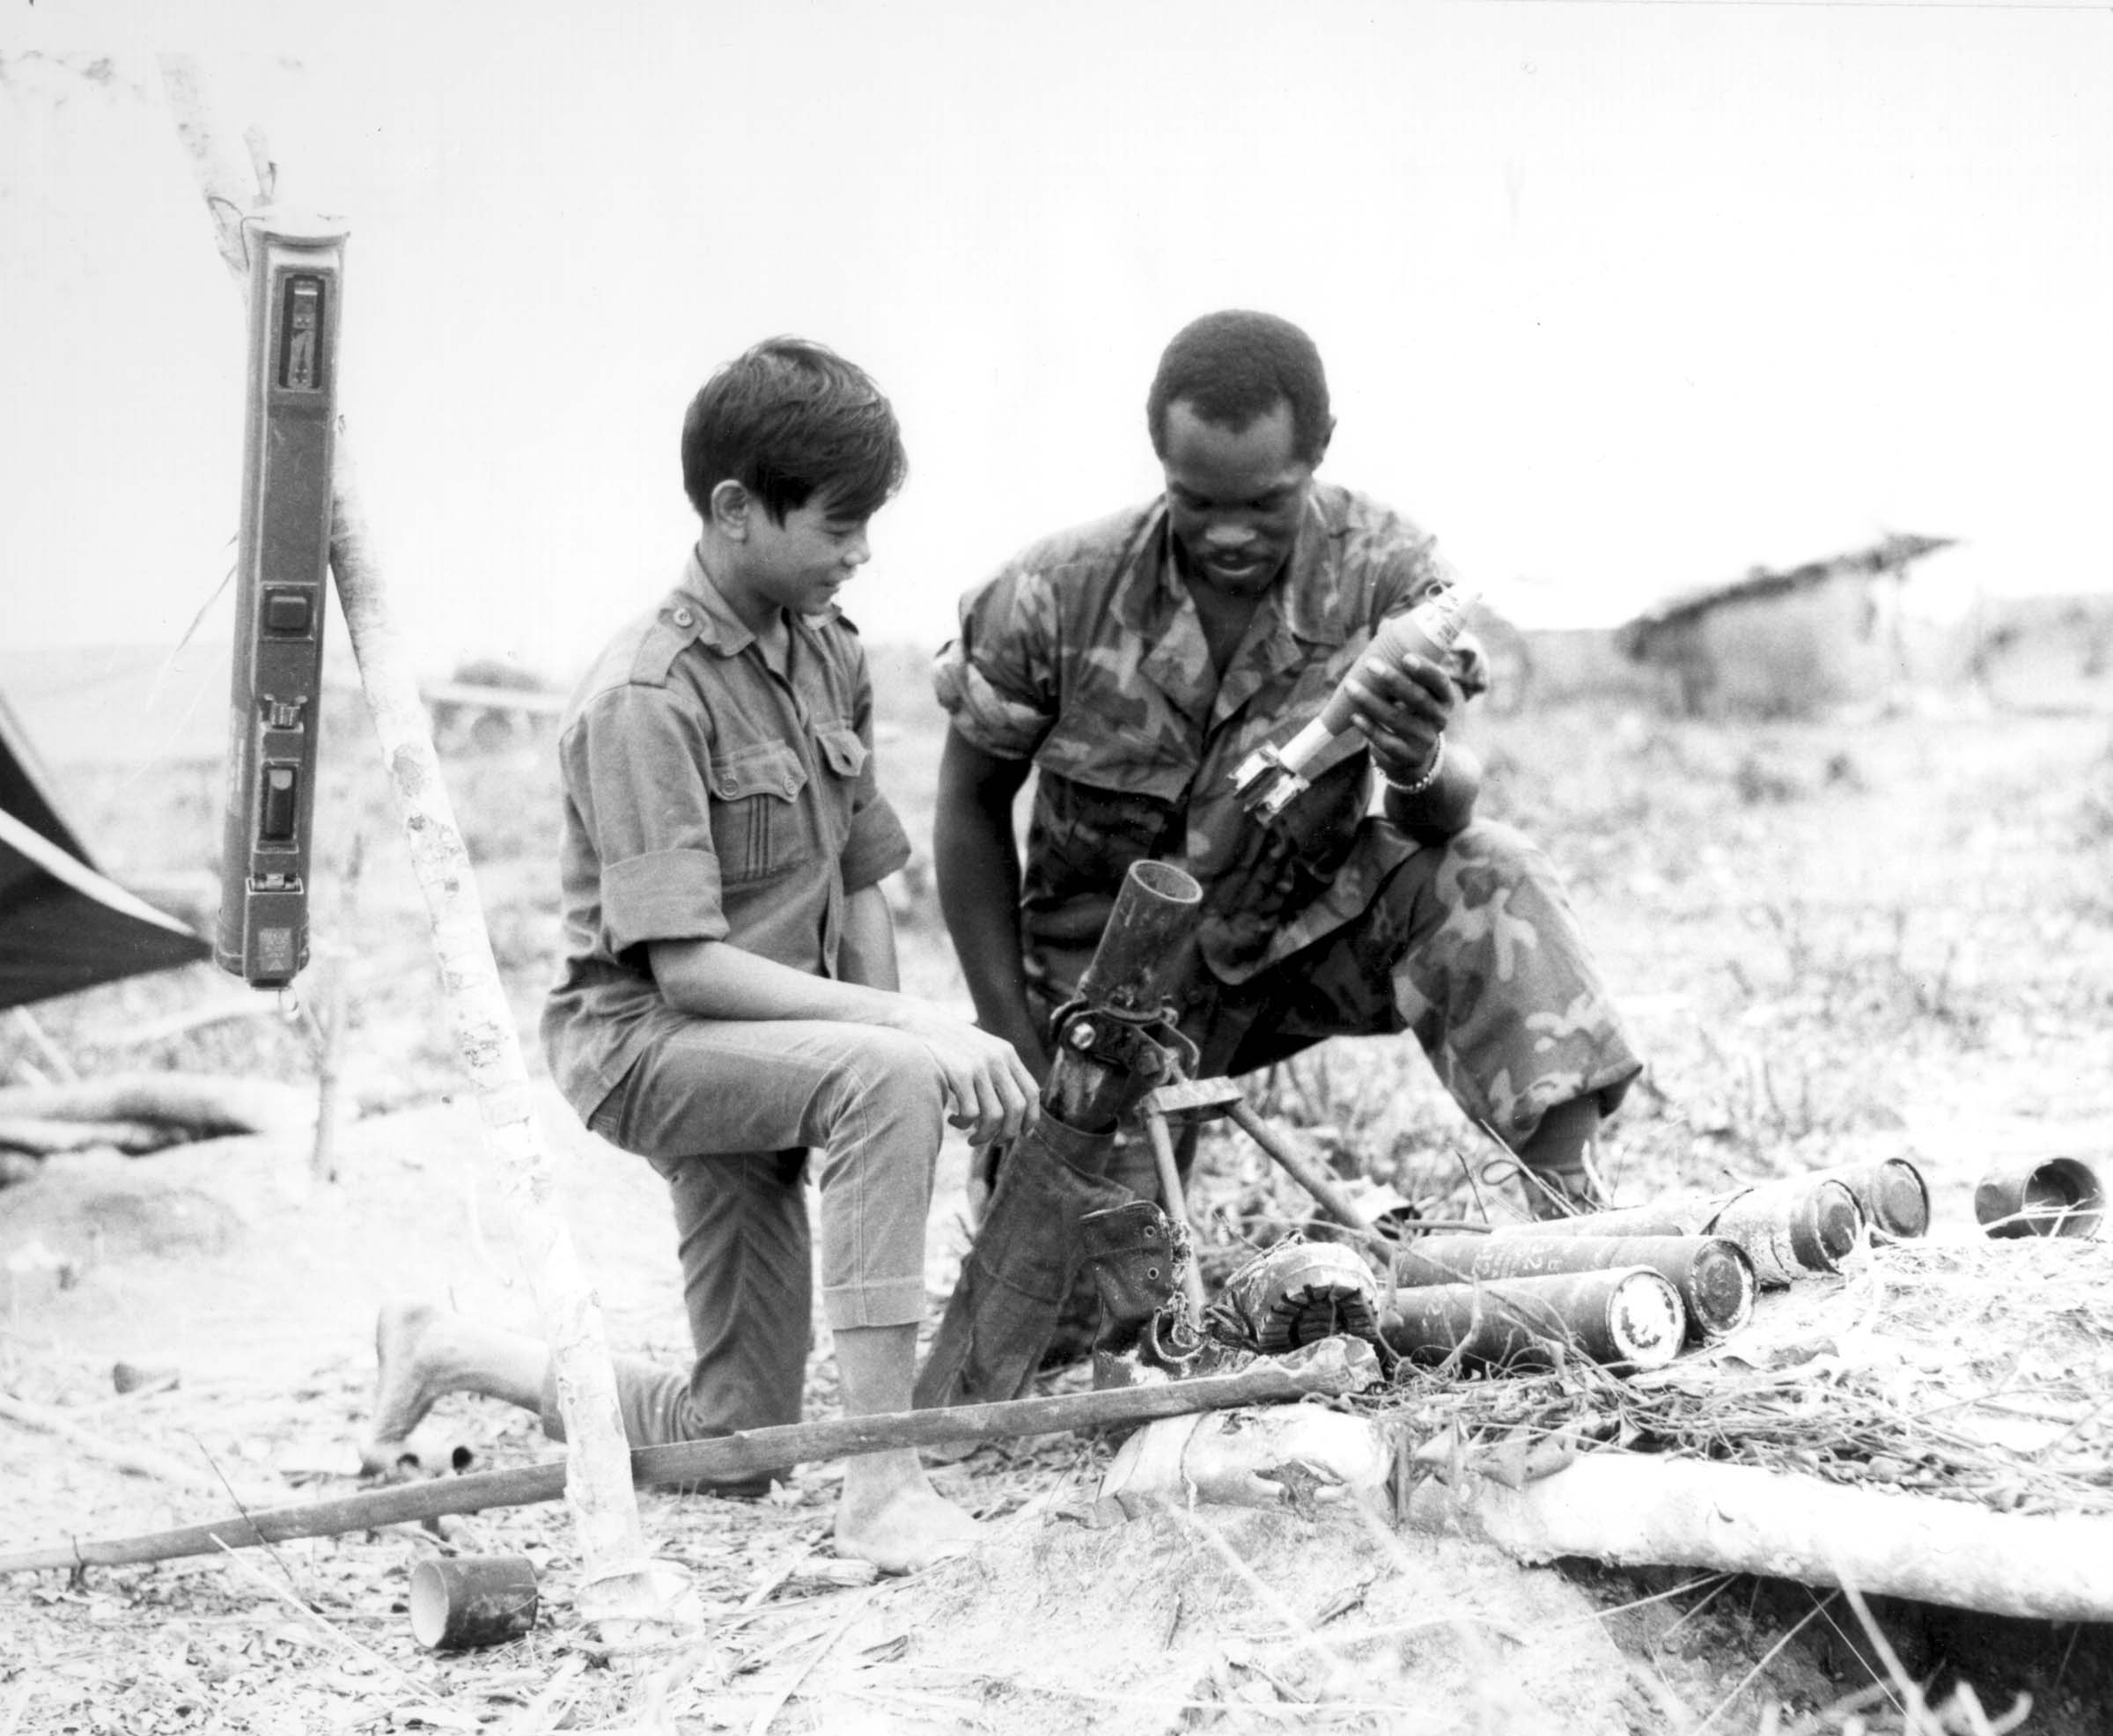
[[1790, 1228], [1626, 1318], [2047, 1197], [469, 1601], [1686, 1216], [1714, 1277], [1894, 1198]]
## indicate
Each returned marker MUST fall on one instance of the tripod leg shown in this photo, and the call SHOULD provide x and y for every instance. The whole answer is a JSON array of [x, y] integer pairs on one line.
[[1175, 1201]]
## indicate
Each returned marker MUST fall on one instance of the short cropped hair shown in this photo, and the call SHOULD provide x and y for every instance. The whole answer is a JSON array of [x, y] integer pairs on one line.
[[790, 419], [1236, 365]]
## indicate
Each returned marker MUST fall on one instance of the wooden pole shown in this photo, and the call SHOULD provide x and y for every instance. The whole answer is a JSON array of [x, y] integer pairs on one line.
[[732, 1456], [1658, 1510], [619, 1584]]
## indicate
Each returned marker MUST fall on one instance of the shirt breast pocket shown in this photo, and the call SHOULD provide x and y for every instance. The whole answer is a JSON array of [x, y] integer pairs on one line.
[[758, 823], [842, 752]]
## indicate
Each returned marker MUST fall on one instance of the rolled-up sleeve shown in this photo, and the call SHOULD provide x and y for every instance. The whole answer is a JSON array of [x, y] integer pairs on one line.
[[637, 757], [997, 678]]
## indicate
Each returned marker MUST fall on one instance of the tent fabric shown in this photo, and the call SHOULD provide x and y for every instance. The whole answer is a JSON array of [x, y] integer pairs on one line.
[[63, 925]]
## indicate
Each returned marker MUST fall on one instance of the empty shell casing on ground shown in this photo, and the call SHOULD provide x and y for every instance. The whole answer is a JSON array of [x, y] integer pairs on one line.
[[1894, 1198], [1714, 1277], [2044, 1196], [472, 1600], [1622, 1317]]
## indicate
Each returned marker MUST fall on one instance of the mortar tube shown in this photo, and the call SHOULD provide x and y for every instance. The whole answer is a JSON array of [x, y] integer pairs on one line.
[[1714, 1277], [1143, 951], [1623, 1318], [1142, 957]]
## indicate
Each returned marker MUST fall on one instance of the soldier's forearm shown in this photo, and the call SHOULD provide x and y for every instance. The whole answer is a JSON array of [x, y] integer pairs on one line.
[[866, 954], [1447, 805]]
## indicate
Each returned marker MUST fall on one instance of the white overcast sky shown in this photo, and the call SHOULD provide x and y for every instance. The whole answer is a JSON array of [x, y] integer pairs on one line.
[[1615, 300]]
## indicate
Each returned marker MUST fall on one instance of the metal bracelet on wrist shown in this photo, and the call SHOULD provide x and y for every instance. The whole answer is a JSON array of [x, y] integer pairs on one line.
[[1430, 774]]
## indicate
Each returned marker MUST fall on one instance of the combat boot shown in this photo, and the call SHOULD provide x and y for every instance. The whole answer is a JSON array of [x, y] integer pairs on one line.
[[1134, 1257], [1568, 1191]]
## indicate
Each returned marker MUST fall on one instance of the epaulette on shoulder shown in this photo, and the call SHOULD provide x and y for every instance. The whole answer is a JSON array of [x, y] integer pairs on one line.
[[662, 638]]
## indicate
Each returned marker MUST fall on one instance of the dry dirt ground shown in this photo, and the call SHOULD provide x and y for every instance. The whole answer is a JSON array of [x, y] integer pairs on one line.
[[1888, 935]]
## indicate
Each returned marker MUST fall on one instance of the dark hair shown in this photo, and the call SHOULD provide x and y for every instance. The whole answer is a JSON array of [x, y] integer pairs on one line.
[[1234, 366], [790, 419]]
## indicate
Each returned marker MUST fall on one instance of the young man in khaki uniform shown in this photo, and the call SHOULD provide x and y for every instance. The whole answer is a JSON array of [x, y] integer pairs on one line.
[[728, 1006]]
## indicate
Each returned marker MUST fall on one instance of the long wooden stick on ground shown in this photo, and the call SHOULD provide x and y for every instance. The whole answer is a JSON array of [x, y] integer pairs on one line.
[[1653, 1509], [732, 1457], [619, 1583]]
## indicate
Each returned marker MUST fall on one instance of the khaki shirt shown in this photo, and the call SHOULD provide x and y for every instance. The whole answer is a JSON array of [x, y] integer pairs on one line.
[[1084, 654], [706, 798]]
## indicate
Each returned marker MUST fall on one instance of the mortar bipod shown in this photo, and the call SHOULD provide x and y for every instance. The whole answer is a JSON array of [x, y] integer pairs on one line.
[[1207, 1100]]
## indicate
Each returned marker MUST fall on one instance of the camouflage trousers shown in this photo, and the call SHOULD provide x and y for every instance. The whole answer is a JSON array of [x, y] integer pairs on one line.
[[1471, 946]]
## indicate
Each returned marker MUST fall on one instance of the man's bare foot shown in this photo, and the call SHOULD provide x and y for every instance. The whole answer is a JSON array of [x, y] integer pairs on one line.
[[411, 1374], [900, 1523]]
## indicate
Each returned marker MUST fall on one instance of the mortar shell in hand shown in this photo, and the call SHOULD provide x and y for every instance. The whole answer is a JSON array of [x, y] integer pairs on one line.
[[1714, 1277], [1626, 1318], [1269, 778]]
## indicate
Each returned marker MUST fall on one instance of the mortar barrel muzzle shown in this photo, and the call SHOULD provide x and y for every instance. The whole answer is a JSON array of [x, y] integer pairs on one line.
[[1144, 949]]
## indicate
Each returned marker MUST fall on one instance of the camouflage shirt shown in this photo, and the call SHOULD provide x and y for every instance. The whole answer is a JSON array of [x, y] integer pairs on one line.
[[1085, 654]]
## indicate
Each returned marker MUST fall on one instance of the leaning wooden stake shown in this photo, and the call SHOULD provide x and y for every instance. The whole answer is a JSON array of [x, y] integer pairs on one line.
[[619, 1585], [1329, 1374]]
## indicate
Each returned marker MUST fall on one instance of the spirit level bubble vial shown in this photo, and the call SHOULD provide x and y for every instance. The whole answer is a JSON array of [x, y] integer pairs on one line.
[[282, 562]]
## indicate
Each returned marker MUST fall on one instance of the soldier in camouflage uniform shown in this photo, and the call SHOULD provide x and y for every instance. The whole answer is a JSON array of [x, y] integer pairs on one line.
[[1136, 661]]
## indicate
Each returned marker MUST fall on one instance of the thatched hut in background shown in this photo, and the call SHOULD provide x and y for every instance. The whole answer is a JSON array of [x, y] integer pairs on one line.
[[1783, 644]]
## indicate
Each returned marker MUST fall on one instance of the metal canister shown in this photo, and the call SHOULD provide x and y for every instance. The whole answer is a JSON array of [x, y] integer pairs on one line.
[[465, 1602], [1894, 1198], [1789, 1228], [2047, 1197], [1625, 1318], [1800, 1224], [1685, 1217], [1713, 1276]]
